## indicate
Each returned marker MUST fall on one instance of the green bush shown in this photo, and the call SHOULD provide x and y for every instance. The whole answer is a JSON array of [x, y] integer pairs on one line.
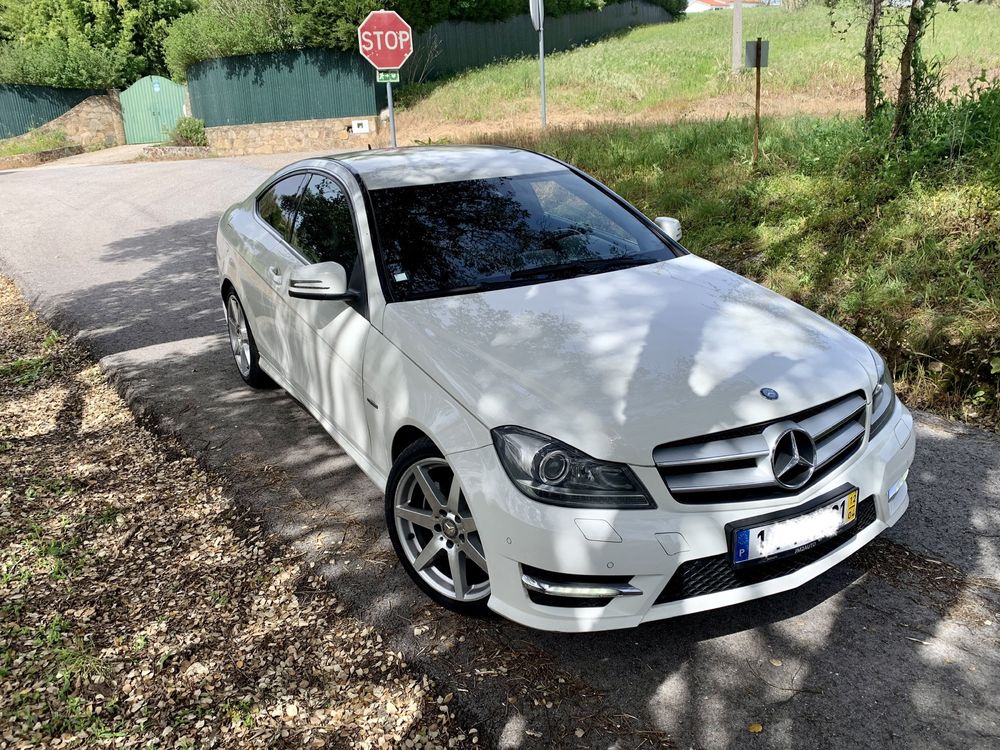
[[55, 62], [84, 43], [189, 131], [34, 142]]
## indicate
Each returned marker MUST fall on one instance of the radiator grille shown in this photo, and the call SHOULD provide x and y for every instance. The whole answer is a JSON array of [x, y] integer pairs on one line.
[[735, 465]]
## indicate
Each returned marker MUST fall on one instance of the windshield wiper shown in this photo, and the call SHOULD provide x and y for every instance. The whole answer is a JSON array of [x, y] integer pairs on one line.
[[576, 267]]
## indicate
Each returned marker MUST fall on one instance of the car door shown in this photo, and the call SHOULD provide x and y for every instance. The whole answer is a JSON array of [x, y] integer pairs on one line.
[[267, 253], [328, 336]]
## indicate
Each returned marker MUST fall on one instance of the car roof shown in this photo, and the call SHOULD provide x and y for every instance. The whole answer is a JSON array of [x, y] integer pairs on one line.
[[425, 165]]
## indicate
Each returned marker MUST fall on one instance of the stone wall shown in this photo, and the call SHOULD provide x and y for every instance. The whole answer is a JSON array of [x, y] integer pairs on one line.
[[96, 122], [93, 123], [297, 135]]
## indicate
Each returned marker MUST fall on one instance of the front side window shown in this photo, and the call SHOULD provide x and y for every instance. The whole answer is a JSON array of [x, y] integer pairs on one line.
[[323, 229], [277, 204], [474, 235]]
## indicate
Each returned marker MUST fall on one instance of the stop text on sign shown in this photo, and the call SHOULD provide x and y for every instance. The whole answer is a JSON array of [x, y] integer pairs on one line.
[[390, 40], [385, 39]]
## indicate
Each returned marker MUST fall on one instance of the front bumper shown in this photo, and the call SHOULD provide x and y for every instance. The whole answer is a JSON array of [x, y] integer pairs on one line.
[[644, 548]]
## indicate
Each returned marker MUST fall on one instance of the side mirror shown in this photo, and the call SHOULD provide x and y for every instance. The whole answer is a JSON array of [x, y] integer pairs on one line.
[[323, 281], [670, 226]]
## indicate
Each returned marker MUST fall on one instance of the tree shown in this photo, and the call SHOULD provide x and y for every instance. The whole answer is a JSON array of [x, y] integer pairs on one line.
[[873, 60], [90, 43], [915, 85]]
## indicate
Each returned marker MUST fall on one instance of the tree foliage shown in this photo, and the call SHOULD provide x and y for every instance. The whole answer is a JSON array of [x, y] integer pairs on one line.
[[84, 43]]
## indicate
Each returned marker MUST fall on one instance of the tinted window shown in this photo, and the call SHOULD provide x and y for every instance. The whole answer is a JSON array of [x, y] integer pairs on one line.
[[277, 205], [456, 237], [323, 228]]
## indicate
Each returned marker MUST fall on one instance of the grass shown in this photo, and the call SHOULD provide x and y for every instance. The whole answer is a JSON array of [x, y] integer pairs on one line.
[[666, 69], [33, 142], [902, 248]]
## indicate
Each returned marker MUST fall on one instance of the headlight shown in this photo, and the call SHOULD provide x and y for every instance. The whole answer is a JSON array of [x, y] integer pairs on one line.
[[883, 397], [552, 472]]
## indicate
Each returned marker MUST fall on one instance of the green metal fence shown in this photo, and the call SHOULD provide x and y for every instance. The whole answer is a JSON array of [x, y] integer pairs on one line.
[[454, 46], [25, 107], [299, 85], [321, 83]]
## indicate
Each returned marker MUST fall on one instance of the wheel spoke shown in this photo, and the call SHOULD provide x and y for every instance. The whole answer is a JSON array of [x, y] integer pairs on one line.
[[473, 554], [429, 487], [457, 573], [454, 494], [416, 516], [468, 524], [427, 554]]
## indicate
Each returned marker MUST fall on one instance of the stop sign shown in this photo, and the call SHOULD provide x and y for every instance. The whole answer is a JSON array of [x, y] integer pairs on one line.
[[385, 39]]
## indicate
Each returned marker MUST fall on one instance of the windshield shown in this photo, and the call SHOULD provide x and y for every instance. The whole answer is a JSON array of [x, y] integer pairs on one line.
[[474, 235]]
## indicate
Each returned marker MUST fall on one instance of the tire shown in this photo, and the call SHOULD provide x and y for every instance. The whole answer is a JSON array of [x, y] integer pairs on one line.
[[433, 533], [242, 344]]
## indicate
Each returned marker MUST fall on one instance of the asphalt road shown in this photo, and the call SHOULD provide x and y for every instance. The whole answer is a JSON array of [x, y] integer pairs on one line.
[[897, 647]]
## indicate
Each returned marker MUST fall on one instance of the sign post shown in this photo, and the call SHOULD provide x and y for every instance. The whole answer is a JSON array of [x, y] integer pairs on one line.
[[386, 41], [737, 34], [756, 57], [538, 21]]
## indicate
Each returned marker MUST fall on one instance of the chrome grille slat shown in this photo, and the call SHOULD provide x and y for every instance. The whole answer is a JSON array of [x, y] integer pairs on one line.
[[735, 465], [820, 425], [715, 451], [717, 481], [837, 442]]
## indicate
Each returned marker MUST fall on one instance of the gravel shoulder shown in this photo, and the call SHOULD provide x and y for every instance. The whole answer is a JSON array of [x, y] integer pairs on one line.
[[898, 645], [140, 606]]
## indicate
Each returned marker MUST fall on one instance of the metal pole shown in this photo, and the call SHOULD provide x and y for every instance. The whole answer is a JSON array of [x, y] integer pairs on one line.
[[541, 69], [737, 36], [392, 116], [756, 122]]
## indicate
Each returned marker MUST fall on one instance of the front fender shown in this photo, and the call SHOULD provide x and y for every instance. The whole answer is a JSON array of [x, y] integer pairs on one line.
[[399, 394]]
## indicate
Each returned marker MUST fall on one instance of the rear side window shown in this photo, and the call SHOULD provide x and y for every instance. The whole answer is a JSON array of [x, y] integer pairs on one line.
[[277, 205], [323, 229]]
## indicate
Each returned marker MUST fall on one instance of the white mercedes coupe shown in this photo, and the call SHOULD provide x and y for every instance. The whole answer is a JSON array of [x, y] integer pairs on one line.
[[576, 422]]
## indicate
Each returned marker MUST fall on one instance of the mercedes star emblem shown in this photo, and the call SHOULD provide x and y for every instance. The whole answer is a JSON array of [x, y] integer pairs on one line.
[[793, 458]]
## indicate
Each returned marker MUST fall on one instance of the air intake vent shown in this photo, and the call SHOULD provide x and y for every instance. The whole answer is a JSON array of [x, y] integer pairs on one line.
[[710, 575], [735, 465]]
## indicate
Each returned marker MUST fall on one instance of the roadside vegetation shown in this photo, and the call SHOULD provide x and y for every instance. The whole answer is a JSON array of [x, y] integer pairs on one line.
[[666, 71], [140, 608], [189, 131], [897, 241], [34, 142]]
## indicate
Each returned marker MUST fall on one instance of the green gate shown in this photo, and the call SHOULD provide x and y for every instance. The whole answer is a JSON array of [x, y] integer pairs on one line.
[[150, 108]]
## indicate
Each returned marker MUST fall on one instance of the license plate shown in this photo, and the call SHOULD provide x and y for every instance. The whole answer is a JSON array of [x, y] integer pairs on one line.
[[785, 536]]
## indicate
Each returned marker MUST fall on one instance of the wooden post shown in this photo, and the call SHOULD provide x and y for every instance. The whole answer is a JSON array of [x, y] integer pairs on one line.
[[756, 123]]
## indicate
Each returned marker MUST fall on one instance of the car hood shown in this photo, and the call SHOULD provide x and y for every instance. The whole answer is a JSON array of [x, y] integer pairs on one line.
[[617, 363]]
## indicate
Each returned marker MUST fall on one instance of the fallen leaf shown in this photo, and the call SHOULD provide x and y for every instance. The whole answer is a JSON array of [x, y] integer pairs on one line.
[[756, 728], [776, 662]]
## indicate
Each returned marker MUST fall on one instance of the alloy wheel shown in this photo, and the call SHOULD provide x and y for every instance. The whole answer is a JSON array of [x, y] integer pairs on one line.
[[239, 336], [438, 533]]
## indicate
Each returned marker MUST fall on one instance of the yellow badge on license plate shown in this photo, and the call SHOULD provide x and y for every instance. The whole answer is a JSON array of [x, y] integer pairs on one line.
[[852, 507]]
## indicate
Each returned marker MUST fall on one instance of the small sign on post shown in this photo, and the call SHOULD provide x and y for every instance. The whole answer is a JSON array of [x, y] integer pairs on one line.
[[756, 57], [537, 8], [386, 41]]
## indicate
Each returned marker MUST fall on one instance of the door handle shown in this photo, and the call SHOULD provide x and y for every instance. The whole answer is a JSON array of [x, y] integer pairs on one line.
[[275, 273]]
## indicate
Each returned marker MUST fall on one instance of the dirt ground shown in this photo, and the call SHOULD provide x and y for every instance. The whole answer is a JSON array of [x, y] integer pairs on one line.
[[140, 608]]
